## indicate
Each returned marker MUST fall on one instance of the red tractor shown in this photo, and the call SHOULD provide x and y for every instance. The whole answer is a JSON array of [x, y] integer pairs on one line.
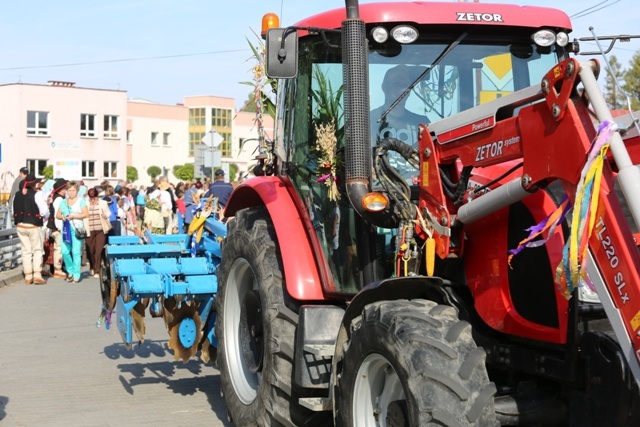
[[441, 232]]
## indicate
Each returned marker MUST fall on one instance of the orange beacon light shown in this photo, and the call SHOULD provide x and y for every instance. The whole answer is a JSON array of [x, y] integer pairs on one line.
[[269, 20]]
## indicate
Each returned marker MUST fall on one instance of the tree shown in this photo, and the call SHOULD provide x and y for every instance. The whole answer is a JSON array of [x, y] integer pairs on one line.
[[47, 172], [233, 172], [153, 172], [132, 174], [184, 172], [612, 94], [249, 105], [632, 81]]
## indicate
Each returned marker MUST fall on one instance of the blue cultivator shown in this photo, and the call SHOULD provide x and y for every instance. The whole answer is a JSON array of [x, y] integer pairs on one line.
[[174, 276]]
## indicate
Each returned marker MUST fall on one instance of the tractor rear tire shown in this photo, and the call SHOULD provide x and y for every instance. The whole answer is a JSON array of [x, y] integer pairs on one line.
[[256, 327], [412, 363]]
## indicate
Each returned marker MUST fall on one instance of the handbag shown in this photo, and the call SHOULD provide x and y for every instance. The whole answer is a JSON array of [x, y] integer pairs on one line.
[[81, 234]]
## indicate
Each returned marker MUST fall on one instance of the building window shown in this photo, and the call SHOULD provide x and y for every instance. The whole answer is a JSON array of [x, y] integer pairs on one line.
[[220, 117], [194, 138], [225, 145], [88, 125], [110, 169], [110, 126], [196, 116], [129, 137], [36, 167], [38, 123], [154, 139], [88, 169], [165, 139]]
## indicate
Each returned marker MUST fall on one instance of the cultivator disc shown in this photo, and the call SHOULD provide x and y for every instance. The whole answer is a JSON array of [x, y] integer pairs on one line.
[[185, 331], [209, 353], [137, 319]]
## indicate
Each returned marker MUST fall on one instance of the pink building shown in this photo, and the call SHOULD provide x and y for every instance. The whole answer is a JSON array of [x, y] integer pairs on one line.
[[157, 135], [78, 130], [94, 134]]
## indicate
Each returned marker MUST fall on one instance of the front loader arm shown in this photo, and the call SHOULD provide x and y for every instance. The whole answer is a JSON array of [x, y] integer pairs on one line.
[[612, 266], [550, 130]]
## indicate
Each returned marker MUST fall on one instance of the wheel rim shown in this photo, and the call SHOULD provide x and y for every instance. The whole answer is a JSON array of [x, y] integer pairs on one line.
[[108, 289], [377, 387], [245, 378], [250, 332]]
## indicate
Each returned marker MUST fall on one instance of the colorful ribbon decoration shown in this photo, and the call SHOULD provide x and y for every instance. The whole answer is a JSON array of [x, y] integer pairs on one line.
[[549, 223], [105, 317], [583, 218]]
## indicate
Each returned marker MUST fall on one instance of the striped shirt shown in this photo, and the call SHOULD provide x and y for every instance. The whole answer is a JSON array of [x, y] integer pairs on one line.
[[95, 224]]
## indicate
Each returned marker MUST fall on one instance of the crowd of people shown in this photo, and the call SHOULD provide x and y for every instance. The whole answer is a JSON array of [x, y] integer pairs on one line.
[[63, 225]]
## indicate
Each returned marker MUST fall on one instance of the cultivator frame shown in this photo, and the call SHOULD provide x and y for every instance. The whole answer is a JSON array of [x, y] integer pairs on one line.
[[174, 276]]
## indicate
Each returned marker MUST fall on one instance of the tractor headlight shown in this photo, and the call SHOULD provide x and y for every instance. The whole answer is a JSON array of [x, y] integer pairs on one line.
[[544, 38], [404, 34], [380, 34], [562, 38]]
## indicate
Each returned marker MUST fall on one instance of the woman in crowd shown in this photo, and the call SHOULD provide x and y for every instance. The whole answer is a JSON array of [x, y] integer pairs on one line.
[[141, 201], [130, 212], [111, 198], [153, 220], [99, 226], [73, 209]]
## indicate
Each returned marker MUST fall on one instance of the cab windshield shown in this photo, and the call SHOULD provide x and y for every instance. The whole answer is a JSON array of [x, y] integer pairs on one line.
[[472, 73]]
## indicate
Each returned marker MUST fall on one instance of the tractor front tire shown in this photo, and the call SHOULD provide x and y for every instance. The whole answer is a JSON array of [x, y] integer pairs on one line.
[[256, 326], [412, 363]]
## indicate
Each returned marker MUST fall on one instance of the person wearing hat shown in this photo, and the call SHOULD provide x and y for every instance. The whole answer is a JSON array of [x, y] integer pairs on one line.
[[28, 215], [58, 193], [220, 190], [99, 226]]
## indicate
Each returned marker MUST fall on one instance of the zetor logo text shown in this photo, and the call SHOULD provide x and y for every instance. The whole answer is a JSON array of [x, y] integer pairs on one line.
[[479, 17]]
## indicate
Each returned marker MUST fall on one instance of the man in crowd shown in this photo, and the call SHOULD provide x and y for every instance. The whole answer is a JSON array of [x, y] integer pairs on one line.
[[220, 190], [22, 174], [29, 213]]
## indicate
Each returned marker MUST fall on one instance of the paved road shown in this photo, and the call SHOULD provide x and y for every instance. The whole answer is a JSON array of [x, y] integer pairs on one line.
[[58, 369]]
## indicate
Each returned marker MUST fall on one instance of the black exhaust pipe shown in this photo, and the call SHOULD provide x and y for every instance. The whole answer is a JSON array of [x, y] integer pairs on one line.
[[358, 152]]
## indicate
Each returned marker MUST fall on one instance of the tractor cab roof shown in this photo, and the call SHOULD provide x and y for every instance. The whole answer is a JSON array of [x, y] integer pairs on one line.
[[450, 13]]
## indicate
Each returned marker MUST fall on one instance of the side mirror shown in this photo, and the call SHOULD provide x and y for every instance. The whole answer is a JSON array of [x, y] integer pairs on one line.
[[282, 53]]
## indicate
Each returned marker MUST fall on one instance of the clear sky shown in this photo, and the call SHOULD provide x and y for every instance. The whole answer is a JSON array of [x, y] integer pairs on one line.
[[163, 50]]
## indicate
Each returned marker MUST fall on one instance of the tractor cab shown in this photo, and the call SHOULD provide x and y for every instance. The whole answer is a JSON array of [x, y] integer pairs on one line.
[[425, 63]]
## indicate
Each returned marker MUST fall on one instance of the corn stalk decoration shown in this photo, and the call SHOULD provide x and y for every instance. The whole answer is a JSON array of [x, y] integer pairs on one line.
[[264, 90]]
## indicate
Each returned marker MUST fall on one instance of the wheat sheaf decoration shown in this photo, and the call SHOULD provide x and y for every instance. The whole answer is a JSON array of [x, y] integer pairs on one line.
[[326, 143]]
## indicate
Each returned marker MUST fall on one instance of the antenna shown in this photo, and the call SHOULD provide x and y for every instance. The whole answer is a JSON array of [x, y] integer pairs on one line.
[[634, 121]]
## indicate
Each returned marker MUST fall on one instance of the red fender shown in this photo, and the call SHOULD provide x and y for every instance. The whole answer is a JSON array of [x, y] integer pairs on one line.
[[301, 273]]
